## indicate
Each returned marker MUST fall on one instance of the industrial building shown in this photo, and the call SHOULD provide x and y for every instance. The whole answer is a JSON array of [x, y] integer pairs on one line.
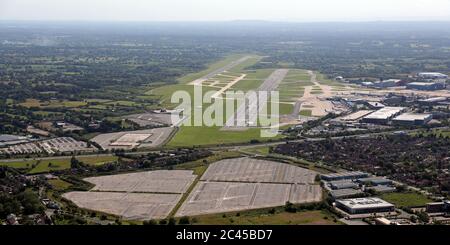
[[375, 181], [383, 116], [365, 205], [438, 207], [382, 84], [432, 75], [375, 105], [8, 139], [342, 184], [426, 86], [382, 188], [386, 83], [345, 193], [355, 116], [412, 119], [344, 176], [432, 101]]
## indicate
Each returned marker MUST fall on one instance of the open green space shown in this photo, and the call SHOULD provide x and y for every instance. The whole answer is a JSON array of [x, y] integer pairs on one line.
[[18, 164], [201, 136], [306, 113], [264, 150], [408, 199], [263, 217], [59, 184], [47, 165]]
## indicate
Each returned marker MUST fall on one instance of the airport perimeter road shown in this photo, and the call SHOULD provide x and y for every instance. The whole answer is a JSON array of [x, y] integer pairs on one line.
[[270, 84], [220, 70]]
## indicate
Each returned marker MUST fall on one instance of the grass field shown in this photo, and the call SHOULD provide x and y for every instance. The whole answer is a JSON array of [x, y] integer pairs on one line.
[[258, 217], [408, 199], [48, 165], [264, 150], [52, 104], [18, 164], [59, 184], [307, 113], [200, 136]]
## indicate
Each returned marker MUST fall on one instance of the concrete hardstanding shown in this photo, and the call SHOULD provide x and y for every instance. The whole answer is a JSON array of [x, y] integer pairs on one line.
[[219, 197], [130, 206], [161, 181], [254, 170]]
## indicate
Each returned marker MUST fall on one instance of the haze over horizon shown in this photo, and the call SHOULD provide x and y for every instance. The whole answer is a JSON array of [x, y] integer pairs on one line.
[[220, 10]]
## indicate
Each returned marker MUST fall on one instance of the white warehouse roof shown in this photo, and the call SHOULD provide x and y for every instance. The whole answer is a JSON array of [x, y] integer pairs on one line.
[[385, 113], [412, 117], [363, 203], [432, 74]]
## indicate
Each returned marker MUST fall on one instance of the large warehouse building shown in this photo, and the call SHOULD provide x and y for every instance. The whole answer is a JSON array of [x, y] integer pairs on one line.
[[426, 86], [432, 75], [365, 205], [411, 119], [383, 115], [344, 176]]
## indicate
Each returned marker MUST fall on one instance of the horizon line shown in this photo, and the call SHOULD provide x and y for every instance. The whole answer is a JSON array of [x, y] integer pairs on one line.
[[225, 21]]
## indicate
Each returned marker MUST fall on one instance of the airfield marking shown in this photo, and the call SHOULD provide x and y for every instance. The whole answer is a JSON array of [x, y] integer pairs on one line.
[[270, 84], [212, 74], [229, 85]]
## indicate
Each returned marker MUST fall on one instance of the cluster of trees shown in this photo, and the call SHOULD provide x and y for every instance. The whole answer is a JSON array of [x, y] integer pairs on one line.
[[164, 159], [16, 195]]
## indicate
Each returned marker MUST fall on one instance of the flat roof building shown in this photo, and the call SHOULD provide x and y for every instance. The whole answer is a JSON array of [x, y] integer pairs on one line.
[[345, 193], [383, 115], [432, 75], [425, 86], [356, 115], [385, 83], [438, 207], [375, 105], [410, 119], [344, 176], [342, 184], [382, 188], [432, 100], [364, 205], [375, 181]]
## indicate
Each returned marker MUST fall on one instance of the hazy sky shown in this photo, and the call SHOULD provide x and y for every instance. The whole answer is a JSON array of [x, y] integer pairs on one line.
[[219, 10]]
